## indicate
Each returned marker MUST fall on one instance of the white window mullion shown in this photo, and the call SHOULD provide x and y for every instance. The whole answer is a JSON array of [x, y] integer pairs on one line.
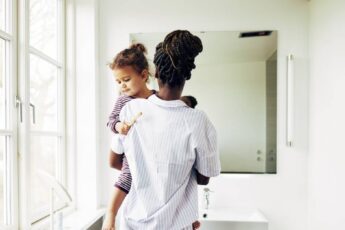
[[13, 159], [24, 94], [45, 57], [4, 132], [62, 168], [6, 36]]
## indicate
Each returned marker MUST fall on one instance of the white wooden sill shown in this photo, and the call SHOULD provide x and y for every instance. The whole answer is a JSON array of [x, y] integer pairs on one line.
[[81, 220], [73, 220]]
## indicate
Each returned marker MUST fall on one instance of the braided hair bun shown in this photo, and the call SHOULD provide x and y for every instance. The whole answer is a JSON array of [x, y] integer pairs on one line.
[[174, 57]]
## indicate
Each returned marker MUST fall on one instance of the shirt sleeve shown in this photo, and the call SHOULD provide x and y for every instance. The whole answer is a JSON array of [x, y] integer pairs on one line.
[[116, 145], [114, 117], [207, 160]]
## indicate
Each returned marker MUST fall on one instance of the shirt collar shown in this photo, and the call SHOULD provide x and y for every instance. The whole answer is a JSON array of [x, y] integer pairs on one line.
[[173, 103]]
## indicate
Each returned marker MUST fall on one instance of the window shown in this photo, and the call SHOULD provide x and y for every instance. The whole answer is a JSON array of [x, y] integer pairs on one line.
[[36, 86], [46, 86]]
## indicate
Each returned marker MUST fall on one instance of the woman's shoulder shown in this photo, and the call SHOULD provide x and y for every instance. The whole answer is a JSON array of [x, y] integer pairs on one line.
[[136, 103], [198, 118]]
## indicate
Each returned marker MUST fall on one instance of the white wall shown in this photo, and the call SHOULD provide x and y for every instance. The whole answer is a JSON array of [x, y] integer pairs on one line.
[[87, 98], [281, 197], [327, 112]]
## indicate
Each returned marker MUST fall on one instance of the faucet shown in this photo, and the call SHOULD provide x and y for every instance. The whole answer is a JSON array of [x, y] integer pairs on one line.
[[206, 198]]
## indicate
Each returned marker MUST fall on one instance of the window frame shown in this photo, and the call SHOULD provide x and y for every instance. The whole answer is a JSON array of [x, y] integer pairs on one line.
[[25, 132]]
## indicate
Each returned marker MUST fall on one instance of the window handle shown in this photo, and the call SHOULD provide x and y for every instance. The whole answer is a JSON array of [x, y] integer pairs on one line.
[[33, 113], [19, 105]]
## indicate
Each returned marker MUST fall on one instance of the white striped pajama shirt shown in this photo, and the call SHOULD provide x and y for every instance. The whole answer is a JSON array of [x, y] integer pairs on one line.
[[164, 148]]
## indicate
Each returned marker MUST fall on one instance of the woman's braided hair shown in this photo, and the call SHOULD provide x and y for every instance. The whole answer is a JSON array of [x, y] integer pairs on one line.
[[133, 56], [174, 57]]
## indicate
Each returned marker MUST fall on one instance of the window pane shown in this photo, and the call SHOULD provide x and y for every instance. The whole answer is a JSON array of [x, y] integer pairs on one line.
[[43, 151], [44, 26], [2, 167], [2, 85], [3, 15], [43, 94]]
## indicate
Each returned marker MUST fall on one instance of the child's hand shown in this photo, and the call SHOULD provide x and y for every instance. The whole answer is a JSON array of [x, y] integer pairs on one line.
[[122, 128]]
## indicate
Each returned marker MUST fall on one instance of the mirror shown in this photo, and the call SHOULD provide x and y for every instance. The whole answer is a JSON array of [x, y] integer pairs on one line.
[[235, 83]]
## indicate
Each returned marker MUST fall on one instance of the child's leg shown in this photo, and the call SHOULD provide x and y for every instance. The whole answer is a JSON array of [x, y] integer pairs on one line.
[[122, 187], [113, 207], [115, 160]]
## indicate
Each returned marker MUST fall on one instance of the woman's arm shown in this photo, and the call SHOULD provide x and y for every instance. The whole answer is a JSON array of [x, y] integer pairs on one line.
[[115, 160]]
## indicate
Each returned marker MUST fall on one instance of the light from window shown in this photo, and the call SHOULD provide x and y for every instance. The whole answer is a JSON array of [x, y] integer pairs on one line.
[[44, 94], [2, 167], [44, 26], [44, 152], [3, 9], [2, 85]]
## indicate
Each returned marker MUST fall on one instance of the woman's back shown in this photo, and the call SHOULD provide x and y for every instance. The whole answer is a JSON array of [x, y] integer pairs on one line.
[[163, 148]]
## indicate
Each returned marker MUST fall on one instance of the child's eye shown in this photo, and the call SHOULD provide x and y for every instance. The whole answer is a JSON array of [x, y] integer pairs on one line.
[[126, 79]]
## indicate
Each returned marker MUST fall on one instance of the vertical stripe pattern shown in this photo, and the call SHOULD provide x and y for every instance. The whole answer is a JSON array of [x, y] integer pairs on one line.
[[164, 148]]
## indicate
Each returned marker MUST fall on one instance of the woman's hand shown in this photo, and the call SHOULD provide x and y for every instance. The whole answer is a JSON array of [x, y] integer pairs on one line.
[[196, 225]]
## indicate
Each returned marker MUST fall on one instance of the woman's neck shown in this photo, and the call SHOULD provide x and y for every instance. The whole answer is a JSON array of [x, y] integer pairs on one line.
[[169, 94]]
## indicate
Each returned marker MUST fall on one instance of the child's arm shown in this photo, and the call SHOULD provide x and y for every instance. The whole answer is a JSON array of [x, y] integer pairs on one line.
[[114, 117]]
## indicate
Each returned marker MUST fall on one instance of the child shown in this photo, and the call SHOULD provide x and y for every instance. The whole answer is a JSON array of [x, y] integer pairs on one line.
[[130, 68]]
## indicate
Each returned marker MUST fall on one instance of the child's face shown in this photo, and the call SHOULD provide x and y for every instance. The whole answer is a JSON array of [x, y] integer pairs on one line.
[[130, 81]]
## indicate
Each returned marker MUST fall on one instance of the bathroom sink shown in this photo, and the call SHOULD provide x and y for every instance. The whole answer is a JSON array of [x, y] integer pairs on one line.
[[232, 218]]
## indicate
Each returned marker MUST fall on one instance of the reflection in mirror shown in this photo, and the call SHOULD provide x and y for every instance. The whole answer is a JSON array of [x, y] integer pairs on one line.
[[235, 83]]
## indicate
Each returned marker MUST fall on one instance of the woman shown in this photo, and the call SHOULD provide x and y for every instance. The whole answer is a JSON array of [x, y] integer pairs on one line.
[[171, 148]]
